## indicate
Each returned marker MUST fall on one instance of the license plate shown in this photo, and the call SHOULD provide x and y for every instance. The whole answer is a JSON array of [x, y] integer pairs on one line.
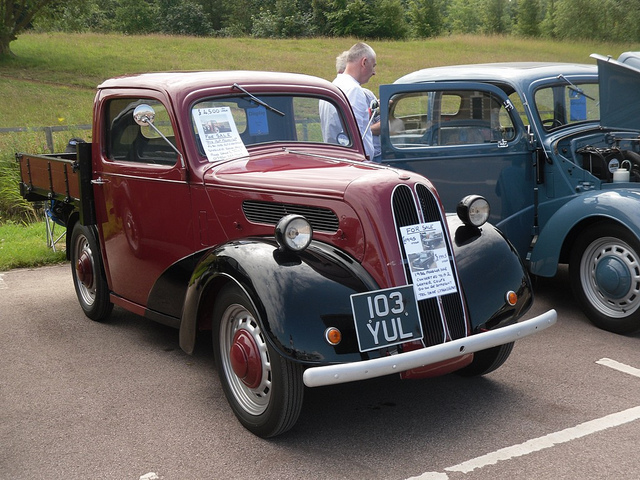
[[386, 317]]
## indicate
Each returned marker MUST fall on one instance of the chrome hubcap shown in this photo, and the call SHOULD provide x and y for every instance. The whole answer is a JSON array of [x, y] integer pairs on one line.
[[85, 271], [610, 276]]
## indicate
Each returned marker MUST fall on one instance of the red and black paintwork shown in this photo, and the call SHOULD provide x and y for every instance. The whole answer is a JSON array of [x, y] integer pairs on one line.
[[172, 237]]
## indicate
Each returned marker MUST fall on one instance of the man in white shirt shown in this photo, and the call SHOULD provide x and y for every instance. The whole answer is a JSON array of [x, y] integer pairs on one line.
[[360, 67], [374, 120]]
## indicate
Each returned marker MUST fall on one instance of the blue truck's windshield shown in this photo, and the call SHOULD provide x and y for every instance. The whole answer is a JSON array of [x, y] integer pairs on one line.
[[567, 103]]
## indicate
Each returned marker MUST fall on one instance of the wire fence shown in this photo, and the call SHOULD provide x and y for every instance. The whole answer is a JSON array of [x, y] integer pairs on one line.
[[47, 131]]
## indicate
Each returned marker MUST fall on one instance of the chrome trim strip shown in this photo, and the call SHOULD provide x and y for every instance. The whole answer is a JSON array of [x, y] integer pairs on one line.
[[378, 367]]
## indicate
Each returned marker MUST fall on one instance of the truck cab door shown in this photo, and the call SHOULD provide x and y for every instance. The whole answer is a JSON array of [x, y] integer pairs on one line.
[[467, 138], [143, 204]]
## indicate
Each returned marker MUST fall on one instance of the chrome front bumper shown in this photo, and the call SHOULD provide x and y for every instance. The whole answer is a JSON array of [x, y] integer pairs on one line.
[[378, 367]]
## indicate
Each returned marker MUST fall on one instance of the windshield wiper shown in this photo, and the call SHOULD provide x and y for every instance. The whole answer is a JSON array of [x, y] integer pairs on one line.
[[257, 100], [573, 88]]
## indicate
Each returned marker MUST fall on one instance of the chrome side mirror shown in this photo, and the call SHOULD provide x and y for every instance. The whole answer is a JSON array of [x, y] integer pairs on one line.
[[144, 115]]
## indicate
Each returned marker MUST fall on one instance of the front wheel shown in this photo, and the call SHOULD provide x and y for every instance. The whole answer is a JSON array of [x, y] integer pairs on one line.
[[605, 277], [88, 275], [264, 389], [486, 361]]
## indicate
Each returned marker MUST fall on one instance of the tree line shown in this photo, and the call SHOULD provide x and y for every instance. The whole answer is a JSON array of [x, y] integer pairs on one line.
[[598, 20], [601, 20]]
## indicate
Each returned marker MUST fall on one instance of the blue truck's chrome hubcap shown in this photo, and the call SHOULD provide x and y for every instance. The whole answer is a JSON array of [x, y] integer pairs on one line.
[[610, 277], [613, 277]]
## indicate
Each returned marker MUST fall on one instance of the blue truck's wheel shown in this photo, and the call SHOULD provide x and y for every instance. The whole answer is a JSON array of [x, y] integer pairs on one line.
[[605, 277], [264, 389], [91, 286]]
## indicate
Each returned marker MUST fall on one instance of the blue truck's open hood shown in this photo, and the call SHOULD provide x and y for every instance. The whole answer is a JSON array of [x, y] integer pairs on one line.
[[619, 90]]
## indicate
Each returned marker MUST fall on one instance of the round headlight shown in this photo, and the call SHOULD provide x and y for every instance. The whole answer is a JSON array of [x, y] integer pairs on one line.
[[293, 232], [473, 210]]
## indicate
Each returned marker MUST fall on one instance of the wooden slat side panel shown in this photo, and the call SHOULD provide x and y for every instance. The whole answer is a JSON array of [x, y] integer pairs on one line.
[[50, 176]]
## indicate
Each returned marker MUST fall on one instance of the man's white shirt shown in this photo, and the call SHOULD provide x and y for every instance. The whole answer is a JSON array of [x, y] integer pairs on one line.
[[360, 106]]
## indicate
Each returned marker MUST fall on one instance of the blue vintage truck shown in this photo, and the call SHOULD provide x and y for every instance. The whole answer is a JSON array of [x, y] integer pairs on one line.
[[554, 147]]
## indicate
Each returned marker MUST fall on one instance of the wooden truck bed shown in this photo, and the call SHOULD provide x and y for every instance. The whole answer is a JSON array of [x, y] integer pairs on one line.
[[62, 178], [49, 177]]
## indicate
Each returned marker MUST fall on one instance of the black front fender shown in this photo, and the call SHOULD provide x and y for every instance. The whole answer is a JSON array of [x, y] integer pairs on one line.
[[297, 296], [489, 267]]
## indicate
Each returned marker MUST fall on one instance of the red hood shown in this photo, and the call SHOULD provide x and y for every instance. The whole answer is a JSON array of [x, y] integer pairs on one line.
[[315, 174], [358, 192]]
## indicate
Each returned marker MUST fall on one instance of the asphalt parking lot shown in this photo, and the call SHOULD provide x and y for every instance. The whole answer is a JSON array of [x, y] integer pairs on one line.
[[120, 400]]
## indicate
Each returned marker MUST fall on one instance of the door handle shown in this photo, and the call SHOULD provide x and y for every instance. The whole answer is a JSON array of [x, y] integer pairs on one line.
[[99, 181]]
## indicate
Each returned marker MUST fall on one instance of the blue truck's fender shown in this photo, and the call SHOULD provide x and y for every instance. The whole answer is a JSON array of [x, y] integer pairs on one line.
[[621, 206], [297, 296]]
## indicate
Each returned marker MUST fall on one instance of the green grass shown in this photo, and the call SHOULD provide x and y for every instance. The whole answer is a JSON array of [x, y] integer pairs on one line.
[[84, 60], [53, 77], [62, 105], [26, 246]]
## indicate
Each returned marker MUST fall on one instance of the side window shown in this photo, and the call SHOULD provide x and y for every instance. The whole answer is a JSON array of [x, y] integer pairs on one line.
[[127, 141], [519, 107], [448, 118], [409, 115], [451, 106]]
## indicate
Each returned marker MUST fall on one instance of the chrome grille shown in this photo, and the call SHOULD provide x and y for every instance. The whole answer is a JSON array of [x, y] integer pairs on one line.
[[443, 316], [321, 219]]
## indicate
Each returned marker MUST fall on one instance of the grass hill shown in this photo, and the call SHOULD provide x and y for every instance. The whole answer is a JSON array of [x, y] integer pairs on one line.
[[52, 79]]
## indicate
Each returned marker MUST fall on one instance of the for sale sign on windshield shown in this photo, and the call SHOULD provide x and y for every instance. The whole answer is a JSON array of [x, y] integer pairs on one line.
[[428, 260], [218, 134]]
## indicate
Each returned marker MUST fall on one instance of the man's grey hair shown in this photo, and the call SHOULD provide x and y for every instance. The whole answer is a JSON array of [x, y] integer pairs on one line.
[[360, 50], [341, 62]]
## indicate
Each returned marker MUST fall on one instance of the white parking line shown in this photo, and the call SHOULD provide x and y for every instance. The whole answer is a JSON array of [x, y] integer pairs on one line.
[[3, 284], [547, 441], [621, 367], [150, 476]]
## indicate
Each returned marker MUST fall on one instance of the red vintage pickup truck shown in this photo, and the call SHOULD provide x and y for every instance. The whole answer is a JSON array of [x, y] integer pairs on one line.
[[210, 202]]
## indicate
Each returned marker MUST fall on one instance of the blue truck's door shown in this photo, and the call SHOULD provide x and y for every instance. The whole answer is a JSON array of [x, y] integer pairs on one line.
[[466, 138]]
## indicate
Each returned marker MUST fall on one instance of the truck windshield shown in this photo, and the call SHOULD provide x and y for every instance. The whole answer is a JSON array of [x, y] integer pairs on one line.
[[291, 119], [567, 103]]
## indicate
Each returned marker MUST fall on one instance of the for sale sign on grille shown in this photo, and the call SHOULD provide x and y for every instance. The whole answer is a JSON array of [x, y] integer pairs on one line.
[[428, 260]]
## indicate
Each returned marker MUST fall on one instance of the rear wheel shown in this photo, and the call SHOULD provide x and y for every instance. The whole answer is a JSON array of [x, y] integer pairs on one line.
[[88, 275], [486, 361], [264, 389], [605, 277]]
